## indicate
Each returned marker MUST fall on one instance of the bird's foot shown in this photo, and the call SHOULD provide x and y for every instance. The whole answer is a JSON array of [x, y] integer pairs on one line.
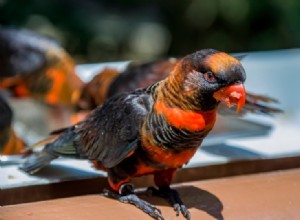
[[127, 195], [174, 199]]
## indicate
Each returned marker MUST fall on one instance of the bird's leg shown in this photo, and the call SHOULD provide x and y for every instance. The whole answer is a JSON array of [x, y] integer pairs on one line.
[[173, 197], [163, 180], [126, 195]]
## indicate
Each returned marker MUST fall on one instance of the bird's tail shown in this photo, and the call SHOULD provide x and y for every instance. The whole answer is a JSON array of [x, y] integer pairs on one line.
[[261, 104], [37, 161]]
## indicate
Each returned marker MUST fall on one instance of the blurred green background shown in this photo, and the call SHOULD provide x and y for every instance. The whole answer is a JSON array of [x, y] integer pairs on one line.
[[97, 31]]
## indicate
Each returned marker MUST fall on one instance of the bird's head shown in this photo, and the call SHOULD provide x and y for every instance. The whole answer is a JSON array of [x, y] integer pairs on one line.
[[210, 76]]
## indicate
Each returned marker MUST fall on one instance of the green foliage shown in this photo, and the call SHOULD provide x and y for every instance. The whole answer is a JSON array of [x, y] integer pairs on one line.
[[95, 31]]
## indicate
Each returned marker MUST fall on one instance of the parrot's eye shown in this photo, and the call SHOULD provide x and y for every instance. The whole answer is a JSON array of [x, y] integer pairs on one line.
[[209, 76]]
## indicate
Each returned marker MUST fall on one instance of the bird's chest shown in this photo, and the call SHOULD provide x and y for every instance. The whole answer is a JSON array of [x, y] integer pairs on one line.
[[168, 145], [164, 155], [160, 159]]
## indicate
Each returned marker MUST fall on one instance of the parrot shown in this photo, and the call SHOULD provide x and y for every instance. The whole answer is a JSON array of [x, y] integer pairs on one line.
[[10, 143], [33, 65], [153, 130], [109, 81]]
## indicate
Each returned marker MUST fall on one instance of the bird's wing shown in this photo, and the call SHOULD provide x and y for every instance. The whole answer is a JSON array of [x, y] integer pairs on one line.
[[110, 132]]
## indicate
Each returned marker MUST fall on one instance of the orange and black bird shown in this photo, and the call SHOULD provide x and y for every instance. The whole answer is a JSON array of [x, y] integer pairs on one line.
[[33, 65], [110, 81], [154, 130], [9, 141]]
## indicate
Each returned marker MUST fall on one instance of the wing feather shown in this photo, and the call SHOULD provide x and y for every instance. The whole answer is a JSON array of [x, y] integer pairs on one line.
[[109, 134]]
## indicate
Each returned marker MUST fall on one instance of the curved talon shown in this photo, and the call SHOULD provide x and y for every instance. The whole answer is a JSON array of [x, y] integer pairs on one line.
[[185, 212], [177, 209], [156, 209]]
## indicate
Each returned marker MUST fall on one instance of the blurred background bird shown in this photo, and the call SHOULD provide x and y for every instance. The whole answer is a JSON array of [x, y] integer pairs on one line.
[[33, 65], [10, 143]]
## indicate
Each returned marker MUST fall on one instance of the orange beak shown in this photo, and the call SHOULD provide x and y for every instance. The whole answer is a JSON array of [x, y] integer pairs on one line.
[[232, 95]]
